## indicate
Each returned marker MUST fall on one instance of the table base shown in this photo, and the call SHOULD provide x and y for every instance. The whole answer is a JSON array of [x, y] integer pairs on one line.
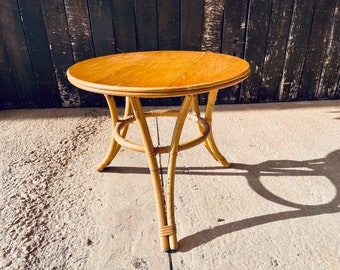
[[134, 112]]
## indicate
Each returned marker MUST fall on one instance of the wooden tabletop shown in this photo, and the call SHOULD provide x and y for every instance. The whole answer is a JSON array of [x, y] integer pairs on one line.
[[158, 73]]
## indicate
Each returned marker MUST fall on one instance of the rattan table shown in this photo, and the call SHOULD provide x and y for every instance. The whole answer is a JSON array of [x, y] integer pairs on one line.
[[160, 74]]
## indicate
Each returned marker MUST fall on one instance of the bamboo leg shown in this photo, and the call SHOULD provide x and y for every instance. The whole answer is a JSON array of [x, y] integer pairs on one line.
[[172, 168], [154, 171], [114, 146], [210, 142]]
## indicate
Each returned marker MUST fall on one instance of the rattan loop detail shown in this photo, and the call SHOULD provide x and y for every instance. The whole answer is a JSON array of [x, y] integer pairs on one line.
[[123, 123]]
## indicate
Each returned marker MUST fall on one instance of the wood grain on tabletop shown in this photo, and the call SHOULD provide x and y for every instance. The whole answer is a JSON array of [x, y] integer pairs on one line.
[[158, 71]]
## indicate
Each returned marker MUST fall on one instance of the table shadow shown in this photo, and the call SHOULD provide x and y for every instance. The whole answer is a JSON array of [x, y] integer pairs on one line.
[[328, 167]]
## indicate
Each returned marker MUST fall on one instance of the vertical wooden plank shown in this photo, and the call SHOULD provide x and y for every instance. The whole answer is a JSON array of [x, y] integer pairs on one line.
[[18, 55], [328, 87], [318, 42], [41, 60], [9, 98], [81, 41], [280, 19], [101, 27], [60, 45], [169, 24], [124, 25], [212, 26], [212, 30], [234, 27], [233, 39], [296, 49], [79, 29], [146, 24], [256, 43], [191, 24]]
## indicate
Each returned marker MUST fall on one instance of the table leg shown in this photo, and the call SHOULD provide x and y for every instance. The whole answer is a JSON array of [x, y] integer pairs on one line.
[[172, 168], [210, 142], [150, 152], [166, 220], [114, 146]]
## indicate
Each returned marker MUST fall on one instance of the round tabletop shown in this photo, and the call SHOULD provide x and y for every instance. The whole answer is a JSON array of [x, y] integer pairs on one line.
[[158, 73]]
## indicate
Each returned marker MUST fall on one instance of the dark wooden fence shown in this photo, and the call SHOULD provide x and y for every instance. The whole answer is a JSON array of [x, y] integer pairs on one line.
[[292, 45]]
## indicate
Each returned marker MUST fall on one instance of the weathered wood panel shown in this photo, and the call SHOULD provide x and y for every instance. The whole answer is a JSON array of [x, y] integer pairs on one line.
[[61, 49], [124, 25], [79, 28], [146, 24], [18, 55], [292, 45], [256, 45], [281, 14], [233, 40], [8, 93], [317, 48], [234, 27], [41, 60], [328, 87], [169, 24], [191, 24], [212, 27], [101, 27], [296, 49]]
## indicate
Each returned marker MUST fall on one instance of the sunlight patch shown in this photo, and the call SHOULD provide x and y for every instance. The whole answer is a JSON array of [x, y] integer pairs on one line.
[[304, 190]]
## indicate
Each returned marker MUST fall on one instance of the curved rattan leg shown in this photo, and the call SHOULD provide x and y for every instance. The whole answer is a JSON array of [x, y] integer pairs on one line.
[[154, 171], [195, 107], [114, 146], [210, 142], [172, 168]]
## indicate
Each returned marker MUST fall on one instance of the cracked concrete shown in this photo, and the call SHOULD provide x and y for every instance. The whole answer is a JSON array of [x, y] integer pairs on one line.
[[277, 207]]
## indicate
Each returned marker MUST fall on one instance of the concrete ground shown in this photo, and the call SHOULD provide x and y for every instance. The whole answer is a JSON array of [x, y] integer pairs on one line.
[[277, 207]]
